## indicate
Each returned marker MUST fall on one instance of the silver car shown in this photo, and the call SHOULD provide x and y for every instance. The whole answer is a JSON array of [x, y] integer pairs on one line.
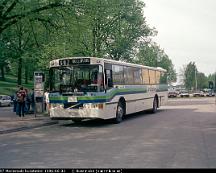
[[5, 100], [184, 94]]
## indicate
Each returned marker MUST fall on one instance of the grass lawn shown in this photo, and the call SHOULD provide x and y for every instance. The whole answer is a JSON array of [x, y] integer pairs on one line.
[[9, 86]]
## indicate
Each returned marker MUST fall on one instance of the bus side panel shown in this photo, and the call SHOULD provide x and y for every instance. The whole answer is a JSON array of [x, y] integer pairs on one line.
[[111, 107], [139, 102], [110, 110], [163, 98], [130, 107], [134, 103]]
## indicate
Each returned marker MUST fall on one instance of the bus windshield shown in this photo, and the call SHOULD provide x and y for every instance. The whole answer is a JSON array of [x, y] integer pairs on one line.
[[73, 79]]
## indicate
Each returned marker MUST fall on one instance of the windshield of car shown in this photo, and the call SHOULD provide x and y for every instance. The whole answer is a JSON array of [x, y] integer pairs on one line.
[[184, 91]]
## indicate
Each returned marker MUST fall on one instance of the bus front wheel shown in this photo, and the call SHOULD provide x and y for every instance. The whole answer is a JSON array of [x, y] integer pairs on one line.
[[119, 113]]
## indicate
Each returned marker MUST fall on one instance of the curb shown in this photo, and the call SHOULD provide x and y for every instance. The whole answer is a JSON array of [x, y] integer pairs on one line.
[[11, 120], [27, 127]]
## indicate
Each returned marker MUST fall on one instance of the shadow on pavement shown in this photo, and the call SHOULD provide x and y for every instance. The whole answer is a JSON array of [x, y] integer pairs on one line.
[[102, 123]]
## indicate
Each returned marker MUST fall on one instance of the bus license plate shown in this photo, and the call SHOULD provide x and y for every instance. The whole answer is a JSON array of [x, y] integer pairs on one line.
[[72, 99]]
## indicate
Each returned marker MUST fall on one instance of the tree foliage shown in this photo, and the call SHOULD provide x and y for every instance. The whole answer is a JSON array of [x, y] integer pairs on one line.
[[34, 32], [152, 55], [189, 79], [193, 79]]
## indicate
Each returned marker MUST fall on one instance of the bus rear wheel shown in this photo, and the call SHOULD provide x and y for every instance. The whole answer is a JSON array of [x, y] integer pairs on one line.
[[76, 120], [119, 113]]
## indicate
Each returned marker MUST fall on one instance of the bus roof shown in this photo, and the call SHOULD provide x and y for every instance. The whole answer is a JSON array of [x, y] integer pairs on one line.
[[133, 65], [54, 63]]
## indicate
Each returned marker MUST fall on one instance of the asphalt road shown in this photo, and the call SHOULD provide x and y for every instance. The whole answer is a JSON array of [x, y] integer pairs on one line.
[[181, 135]]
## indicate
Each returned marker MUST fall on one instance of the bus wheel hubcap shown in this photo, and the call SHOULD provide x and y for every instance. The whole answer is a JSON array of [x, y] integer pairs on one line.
[[120, 112]]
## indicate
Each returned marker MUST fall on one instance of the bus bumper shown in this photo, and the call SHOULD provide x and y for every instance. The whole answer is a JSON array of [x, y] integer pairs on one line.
[[57, 113]]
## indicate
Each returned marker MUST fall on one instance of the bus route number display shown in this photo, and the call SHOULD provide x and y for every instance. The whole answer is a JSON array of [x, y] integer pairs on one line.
[[66, 62]]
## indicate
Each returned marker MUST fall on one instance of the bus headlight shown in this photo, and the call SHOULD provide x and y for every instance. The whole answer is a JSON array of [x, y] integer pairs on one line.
[[93, 106], [87, 106], [55, 105], [100, 106]]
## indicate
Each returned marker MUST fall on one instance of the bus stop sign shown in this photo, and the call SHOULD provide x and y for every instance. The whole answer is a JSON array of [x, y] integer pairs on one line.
[[38, 91]]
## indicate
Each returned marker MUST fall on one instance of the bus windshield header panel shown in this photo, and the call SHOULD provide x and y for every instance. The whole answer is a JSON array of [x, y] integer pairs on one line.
[[67, 62]]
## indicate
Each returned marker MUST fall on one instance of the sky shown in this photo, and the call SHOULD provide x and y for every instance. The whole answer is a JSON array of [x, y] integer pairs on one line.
[[186, 31]]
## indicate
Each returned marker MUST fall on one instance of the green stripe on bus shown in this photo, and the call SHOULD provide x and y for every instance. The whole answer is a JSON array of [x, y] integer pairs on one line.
[[109, 96]]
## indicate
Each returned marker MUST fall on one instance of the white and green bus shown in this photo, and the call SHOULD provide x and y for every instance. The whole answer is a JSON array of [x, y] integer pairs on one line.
[[96, 88]]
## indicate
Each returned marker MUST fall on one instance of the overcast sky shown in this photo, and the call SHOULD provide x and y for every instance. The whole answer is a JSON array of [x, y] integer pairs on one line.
[[186, 31]]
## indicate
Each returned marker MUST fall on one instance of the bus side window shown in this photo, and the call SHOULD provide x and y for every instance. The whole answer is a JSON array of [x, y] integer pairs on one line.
[[108, 81]]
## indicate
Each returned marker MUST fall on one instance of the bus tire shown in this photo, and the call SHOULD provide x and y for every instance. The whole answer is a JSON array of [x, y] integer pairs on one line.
[[119, 113], [154, 106], [76, 120]]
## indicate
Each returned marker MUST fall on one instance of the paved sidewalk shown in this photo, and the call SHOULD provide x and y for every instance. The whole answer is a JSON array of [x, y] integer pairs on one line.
[[10, 122]]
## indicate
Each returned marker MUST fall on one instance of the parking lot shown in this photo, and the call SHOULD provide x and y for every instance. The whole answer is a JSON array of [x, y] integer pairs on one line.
[[181, 94]]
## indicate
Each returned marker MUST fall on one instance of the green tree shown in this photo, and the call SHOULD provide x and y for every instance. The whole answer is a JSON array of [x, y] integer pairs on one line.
[[34, 32], [202, 81], [24, 26], [212, 77], [3, 58], [189, 76], [193, 79], [104, 28], [12, 11], [19, 40]]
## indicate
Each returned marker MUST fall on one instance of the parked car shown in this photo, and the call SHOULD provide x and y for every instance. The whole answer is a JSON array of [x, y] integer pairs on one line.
[[199, 94], [5, 100], [184, 94], [172, 94], [210, 94]]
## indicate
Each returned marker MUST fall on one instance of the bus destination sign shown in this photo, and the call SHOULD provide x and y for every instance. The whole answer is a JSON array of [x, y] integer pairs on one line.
[[65, 62]]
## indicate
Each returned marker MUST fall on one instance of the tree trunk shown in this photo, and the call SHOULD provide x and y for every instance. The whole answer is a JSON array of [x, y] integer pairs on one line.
[[94, 42], [19, 77], [26, 74], [2, 73]]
